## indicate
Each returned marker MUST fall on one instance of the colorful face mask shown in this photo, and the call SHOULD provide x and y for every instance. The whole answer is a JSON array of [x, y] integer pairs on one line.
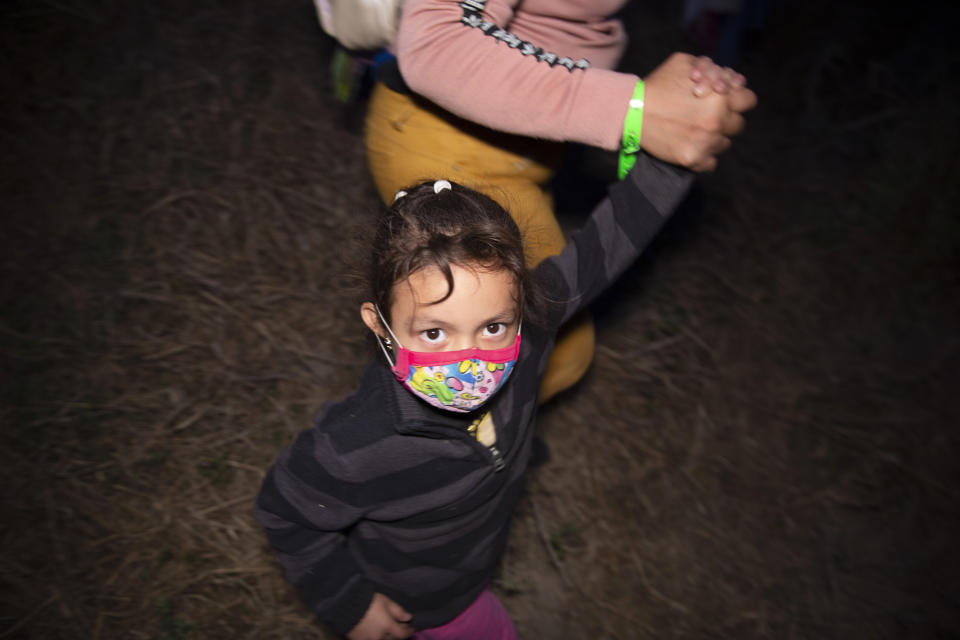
[[453, 380]]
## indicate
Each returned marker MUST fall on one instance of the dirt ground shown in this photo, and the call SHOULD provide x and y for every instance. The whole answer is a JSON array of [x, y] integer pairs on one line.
[[765, 446]]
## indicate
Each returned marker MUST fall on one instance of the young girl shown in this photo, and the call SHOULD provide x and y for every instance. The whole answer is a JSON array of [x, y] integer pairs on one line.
[[391, 514]]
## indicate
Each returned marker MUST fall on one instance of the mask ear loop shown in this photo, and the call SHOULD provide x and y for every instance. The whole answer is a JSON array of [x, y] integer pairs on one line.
[[380, 340]]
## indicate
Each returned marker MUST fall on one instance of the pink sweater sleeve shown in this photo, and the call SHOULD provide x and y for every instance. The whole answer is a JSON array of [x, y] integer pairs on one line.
[[506, 82]]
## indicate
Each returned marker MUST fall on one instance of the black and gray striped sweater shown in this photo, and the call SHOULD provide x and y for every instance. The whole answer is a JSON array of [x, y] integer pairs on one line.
[[389, 494]]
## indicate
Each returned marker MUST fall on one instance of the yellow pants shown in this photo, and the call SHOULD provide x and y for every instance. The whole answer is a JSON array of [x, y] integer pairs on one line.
[[410, 140]]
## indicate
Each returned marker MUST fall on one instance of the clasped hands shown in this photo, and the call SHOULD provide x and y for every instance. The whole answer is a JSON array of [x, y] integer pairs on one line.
[[692, 109]]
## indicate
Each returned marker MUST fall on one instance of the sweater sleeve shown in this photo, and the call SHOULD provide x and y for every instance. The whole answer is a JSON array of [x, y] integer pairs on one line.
[[616, 233], [305, 508], [462, 56]]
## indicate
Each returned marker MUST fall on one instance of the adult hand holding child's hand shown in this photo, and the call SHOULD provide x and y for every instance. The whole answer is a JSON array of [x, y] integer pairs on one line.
[[685, 124]]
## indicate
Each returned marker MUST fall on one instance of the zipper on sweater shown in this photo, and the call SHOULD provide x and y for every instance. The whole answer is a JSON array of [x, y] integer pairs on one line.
[[476, 433], [498, 463]]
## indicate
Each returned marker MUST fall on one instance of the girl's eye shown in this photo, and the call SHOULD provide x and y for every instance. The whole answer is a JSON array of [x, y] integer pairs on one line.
[[493, 330], [433, 336]]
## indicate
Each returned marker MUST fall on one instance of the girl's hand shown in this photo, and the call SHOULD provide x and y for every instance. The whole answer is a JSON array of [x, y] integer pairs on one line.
[[384, 620]]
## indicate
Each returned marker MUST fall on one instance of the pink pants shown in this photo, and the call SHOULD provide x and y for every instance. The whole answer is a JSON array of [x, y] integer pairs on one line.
[[485, 619]]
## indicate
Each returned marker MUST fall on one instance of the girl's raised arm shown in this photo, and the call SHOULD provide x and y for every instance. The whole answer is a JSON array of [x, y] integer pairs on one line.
[[616, 233]]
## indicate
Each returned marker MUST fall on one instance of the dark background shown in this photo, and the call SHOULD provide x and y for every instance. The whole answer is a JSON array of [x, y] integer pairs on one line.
[[765, 446]]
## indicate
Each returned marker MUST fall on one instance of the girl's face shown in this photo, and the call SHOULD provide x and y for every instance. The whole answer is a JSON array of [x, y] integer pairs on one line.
[[480, 312]]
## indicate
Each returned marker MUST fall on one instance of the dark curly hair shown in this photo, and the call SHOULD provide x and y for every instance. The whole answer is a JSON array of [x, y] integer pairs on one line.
[[459, 226]]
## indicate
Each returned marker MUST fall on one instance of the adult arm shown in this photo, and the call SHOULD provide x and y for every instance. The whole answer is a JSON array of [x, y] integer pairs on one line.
[[487, 77], [495, 78], [616, 233]]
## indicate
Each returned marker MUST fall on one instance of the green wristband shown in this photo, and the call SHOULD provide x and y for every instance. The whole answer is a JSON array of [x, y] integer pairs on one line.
[[632, 127]]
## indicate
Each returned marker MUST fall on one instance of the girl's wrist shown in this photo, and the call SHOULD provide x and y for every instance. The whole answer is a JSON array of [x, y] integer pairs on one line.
[[632, 130]]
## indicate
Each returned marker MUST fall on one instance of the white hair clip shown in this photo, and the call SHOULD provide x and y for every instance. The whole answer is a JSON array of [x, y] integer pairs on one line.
[[399, 195], [440, 185]]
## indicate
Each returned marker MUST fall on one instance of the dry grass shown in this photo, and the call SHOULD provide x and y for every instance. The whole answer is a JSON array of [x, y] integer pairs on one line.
[[764, 448]]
